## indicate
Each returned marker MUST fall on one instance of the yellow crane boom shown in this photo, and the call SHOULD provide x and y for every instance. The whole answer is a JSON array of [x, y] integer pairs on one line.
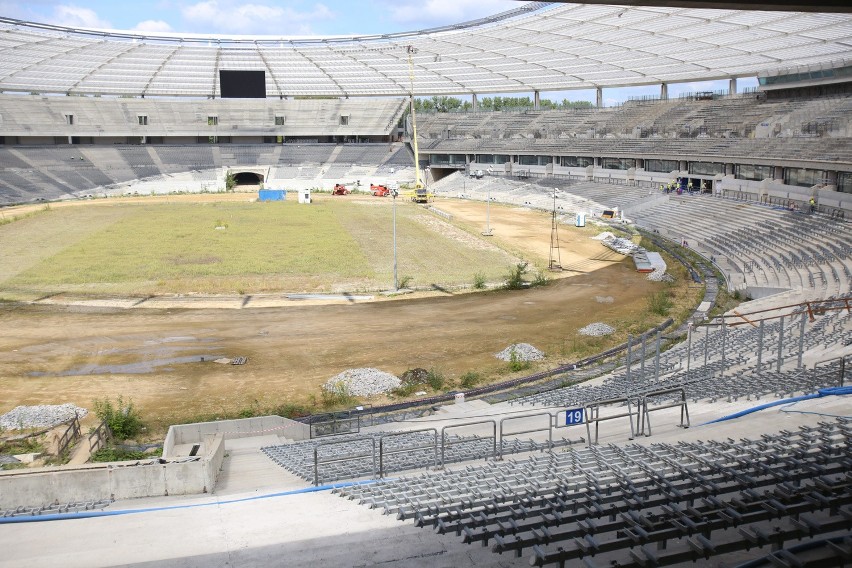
[[418, 182]]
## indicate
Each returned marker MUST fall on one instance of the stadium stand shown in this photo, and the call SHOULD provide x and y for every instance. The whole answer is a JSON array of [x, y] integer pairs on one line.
[[35, 119], [84, 112], [637, 505], [739, 116]]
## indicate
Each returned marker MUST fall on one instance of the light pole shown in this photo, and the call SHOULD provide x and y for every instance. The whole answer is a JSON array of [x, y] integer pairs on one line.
[[394, 193], [488, 232], [555, 259]]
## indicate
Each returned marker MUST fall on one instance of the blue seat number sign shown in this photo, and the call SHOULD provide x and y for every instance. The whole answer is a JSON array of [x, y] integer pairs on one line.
[[573, 416]]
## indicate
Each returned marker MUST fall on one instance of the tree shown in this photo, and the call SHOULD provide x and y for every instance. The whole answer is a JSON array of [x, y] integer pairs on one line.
[[123, 420], [441, 104]]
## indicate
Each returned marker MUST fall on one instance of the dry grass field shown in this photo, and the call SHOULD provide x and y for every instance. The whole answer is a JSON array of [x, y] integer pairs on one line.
[[62, 351], [154, 246]]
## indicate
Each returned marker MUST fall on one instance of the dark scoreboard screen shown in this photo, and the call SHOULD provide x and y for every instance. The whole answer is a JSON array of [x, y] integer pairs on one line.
[[242, 84]]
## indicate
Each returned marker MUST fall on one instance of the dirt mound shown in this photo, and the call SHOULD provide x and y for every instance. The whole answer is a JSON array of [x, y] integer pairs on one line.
[[414, 377]]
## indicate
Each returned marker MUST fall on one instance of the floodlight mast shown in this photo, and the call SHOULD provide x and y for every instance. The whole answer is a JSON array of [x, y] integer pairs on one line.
[[555, 255], [418, 183]]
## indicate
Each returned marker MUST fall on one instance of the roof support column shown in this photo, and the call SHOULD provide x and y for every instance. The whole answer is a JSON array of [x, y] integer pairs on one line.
[[732, 86], [664, 91], [599, 97], [536, 100], [475, 102]]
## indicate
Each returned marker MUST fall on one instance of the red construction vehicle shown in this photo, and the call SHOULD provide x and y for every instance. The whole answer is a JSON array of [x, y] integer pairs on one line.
[[380, 190], [340, 189]]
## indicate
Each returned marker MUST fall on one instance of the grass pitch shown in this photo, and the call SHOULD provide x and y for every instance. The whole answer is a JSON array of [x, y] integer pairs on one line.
[[157, 247]]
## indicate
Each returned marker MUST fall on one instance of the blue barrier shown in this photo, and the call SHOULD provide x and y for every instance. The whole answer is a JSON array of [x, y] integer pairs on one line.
[[829, 391]]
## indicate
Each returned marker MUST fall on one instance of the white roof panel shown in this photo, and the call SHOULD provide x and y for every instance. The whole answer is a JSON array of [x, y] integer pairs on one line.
[[559, 46]]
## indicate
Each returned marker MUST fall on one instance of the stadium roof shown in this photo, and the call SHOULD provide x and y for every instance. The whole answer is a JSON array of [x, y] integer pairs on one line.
[[537, 47]]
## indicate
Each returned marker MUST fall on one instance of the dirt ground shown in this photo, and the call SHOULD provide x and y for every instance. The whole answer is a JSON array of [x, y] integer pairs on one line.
[[163, 358]]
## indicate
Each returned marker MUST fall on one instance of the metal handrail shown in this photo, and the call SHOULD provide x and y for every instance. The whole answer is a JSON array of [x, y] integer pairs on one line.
[[445, 443], [383, 452], [842, 366], [592, 411], [70, 435], [351, 457], [644, 410], [548, 429]]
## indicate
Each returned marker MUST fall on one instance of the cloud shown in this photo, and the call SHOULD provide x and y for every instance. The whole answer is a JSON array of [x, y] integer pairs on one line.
[[152, 26], [427, 13], [77, 17], [15, 10], [252, 18]]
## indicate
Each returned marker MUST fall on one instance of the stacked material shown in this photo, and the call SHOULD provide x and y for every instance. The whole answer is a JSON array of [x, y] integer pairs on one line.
[[620, 245]]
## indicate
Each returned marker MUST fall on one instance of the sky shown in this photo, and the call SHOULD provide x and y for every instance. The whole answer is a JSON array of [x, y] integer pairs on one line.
[[297, 18], [256, 17]]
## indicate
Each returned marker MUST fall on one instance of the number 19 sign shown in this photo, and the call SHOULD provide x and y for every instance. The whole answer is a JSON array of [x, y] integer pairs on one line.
[[573, 416]]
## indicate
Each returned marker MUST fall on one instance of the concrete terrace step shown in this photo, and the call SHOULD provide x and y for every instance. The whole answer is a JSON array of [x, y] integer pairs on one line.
[[463, 408], [246, 469]]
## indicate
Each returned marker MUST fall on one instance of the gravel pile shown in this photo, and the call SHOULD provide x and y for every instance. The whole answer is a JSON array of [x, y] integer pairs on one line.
[[523, 352], [603, 236], [596, 329], [621, 246], [363, 382], [660, 276], [604, 299], [40, 416]]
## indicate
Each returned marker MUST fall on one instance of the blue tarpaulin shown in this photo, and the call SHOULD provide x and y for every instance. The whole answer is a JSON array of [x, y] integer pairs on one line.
[[272, 195]]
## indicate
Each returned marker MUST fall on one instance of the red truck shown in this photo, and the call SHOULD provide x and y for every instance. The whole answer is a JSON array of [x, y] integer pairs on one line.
[[340, 189], [380, 190]]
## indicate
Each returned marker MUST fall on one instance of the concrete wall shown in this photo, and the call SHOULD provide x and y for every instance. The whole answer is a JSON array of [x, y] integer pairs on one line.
[[116, 480], [230, 429]]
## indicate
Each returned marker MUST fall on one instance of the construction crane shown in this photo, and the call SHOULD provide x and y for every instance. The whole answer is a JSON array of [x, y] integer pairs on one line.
[[418, 183]]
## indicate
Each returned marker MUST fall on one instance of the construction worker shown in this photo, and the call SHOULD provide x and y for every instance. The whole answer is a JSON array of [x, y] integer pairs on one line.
[[813, 204]]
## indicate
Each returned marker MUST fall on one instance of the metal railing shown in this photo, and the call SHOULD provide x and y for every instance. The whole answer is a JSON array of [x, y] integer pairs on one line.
[[392, 452], [334, 423], [548, 428], [593, 414], [99, 437], [346, 458], [70, 436], [445, 442], [844, 367], [645, 409]]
